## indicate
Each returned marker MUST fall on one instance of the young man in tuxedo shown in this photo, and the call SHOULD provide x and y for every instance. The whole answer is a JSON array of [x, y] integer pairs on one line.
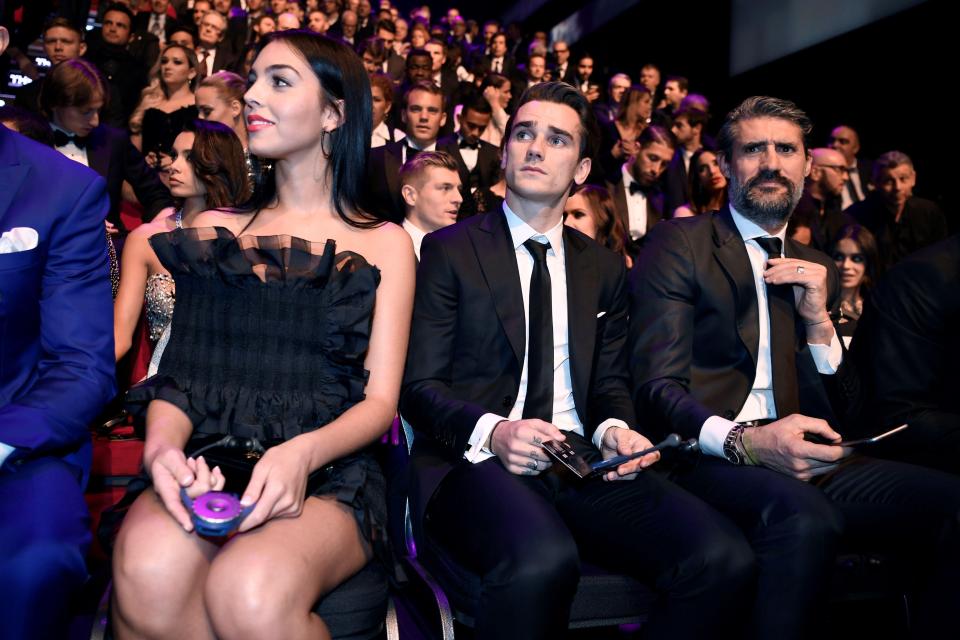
[[636, 195], [430, 188], [731, 341], [518, 329], [423, 114], [57, 373], [478, 161]]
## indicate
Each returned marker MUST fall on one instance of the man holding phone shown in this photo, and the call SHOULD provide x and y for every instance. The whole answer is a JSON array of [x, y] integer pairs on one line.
[[731, 342]]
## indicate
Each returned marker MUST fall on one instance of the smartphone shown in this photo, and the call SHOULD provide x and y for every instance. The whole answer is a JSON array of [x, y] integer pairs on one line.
[[810, 437]]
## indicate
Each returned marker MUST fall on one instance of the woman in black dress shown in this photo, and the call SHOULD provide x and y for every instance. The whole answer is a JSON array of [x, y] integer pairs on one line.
[[274, 337]]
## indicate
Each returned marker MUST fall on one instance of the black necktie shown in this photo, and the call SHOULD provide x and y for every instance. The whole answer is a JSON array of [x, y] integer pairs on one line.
[[539, 401], [852, 189], [61, 139], [411, 153], [635, 187], [783, 343]]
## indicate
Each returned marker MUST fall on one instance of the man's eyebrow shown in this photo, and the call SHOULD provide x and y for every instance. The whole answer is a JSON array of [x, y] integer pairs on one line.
[[559, 131]]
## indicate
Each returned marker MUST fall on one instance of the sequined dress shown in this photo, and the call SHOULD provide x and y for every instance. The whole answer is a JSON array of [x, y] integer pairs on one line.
[[268, 340], [159, 298]]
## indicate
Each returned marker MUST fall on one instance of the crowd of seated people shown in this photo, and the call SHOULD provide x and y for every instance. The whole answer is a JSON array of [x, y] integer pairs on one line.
[[325, 212]]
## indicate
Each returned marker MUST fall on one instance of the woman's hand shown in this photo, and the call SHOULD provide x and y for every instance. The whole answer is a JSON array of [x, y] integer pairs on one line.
[[169, 470], [278, 484]]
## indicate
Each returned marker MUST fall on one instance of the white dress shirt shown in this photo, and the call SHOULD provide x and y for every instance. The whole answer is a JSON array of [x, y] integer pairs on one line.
[[71, 150], [636, 205], [381, 135], [416, 234], [496, 65], [470, 156], [564, 410], [760, 405]]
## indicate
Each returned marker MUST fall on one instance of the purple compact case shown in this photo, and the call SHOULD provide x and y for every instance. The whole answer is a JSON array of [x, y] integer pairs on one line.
[[215, 514]]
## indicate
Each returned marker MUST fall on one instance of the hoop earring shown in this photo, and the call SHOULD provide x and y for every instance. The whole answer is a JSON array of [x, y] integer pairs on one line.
[[326, 143]]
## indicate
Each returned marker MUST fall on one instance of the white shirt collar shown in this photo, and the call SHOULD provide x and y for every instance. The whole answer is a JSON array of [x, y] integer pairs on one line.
[[416, 234], [750, 230], [628, 177], [520, 232]]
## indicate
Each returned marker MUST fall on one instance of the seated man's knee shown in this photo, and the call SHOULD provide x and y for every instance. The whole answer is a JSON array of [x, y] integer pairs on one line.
[[550, 562], [806, 517]]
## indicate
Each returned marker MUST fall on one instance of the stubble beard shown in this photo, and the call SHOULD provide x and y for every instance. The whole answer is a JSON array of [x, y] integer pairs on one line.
[[770, 212]]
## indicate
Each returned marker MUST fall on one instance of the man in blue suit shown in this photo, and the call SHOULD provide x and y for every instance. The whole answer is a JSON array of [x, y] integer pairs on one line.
[[56, 374]]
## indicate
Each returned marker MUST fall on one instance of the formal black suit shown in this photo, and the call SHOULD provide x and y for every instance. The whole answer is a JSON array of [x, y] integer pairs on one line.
[[141, 24], [654, 197], [486, 172], [110, 153], [921, 224], [824, 219], [909, 347], [382, 195], [465, 360], [676, 188], [694, 342]]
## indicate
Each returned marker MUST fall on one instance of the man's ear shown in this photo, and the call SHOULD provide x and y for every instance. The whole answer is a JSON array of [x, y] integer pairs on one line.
[[4, 39], [443, 119], [83, 49], [409, 194], [583, 171]]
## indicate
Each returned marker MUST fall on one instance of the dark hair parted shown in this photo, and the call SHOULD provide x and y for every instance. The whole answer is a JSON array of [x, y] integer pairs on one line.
[[72, 83], [693, 115], [346, 87], [477, 104], [563, 93], [700, 196], [122, 8], [762, 107], [218, 160], [656, 134]]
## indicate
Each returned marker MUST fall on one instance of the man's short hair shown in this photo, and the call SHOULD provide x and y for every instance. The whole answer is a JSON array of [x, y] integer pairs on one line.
[[122, 8], [422, 53], [72, 83], [762, 107], [62, 23], [563, 93], [682, 83], [443, 45], [425, 85], [477, 104], [655, 134], [694, 116], [413, 171], [385, 25], [696, 101], [890, 160]]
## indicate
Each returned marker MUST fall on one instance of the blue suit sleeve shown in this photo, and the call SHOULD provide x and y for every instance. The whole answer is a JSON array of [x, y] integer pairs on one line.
[[75, 372]]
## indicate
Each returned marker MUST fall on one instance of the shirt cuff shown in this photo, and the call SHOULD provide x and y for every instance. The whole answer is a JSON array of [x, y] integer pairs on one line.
[[602, 429], [5, 451], [476, 451], [827, 357], [713, 433]]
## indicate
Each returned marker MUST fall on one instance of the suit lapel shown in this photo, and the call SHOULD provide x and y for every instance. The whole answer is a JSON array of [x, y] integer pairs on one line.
[[654, 209], [392, 160], [731, 253], [620, 203], [495, 253], [12, 173], [98, 151], [582, 306]]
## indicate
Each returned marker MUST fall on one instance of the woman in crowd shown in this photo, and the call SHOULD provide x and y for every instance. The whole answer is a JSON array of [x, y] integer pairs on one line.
[[495, 88], [220, 98], [858, 260], [381, 94], [591, 211], [419, 35], [167, 105], [274, 338], [620, 138], [208, 171], [707, 185]]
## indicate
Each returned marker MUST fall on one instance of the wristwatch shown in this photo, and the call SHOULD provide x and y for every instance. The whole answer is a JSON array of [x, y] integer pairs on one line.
[[733, 449]]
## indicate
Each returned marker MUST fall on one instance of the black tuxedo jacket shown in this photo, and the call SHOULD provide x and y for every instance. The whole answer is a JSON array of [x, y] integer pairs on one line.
[[468, 335], [383, 182], [110, 153], [141, 24], [488, 168], [675, 188], [654, 205], [694, 329]]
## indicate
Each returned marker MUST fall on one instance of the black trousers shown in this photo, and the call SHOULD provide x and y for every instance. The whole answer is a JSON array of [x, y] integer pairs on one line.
[[524, 536], [795, 528]]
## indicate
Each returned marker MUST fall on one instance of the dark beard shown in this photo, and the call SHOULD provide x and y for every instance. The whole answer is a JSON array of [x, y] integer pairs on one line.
[[766, 213]]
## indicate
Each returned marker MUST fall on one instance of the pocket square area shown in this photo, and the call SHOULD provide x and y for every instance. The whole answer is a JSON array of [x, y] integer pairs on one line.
[[601, 314], [19, 239]]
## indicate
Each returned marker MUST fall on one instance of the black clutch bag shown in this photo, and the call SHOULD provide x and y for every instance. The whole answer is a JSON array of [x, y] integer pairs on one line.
[[236, 458]]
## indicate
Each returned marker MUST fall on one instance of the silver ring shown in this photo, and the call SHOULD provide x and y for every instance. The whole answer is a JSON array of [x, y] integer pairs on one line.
[[800, 270]]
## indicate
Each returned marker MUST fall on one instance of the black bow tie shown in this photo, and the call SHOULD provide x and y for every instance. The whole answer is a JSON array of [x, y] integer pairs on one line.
[[466, 145], [61, 139], [635, 187]]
